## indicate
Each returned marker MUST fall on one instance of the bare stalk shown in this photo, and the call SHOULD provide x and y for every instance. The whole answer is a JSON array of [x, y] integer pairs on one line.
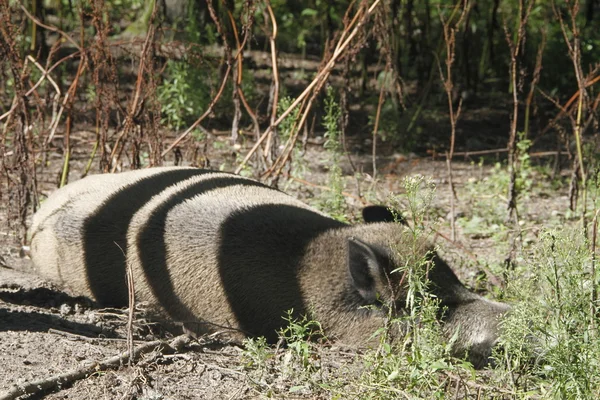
[[376, 125], [450, 27], [275, 94], [573, 42], [239, 68], [214, 101], [317, 82], [515, 48]]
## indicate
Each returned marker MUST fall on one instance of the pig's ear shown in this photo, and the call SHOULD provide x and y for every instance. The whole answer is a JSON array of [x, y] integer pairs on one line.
[[381, 214], [365, 268]]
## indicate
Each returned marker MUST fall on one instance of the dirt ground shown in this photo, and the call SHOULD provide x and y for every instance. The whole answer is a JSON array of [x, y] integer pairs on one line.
[[44, 331]]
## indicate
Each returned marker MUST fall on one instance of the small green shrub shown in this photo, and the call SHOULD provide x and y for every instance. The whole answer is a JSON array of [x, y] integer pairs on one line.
[[256, 353], [412, 366], [334, 203], [299, 336], [487, 198], [550, 339], [183, 95]]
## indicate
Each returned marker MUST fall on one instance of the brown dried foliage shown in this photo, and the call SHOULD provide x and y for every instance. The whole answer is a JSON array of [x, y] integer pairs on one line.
[[17, 146]]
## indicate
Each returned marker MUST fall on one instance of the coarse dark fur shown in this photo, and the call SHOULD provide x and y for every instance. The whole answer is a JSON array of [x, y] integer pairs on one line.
[[218, 250]]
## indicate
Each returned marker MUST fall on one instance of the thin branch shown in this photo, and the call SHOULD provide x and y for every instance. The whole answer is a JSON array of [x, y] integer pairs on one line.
[[60, 380], [376, 124], [134, 106], [239, 61], [321, 76], [275, 99], [50, 28], [201, 118]]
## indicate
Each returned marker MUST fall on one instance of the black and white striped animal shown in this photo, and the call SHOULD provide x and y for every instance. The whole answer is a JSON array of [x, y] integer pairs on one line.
[[226, 251]]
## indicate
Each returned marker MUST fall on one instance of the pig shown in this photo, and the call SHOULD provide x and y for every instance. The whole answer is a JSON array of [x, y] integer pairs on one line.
[[219, 251]]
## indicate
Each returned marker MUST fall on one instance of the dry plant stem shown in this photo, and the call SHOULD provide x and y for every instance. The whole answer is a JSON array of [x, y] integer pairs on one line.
[[327, 69], [40, 81], [449, 31], [376, 125], [235, 93], [239, 64], [135, 103], [321, 76], [55, 117], [70, 93], [275, 102], [594, 295], [536, 78], [69, 106], [273, 46], [580, 160], [349, 26], [57, 381], [44, 76], [130, 314], [283, 157], [131, 302], [201, 118], [452, 196], [574, 50], [50, 28], [515, 49], [565, 109], [344, 123], [294, 138]]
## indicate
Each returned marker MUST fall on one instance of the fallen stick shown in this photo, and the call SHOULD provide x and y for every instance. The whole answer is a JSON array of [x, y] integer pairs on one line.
[[59, 380]]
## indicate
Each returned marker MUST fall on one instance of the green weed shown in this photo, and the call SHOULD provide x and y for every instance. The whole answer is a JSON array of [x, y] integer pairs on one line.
[[299, 335], [334, 203], [550, 339], [256, 353], [183, 95], [413, 365]]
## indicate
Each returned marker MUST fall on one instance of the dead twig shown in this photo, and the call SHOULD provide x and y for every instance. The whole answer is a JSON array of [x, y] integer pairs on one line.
[[68, 104], [450, 28], [376, 124], [57, 381], [573, 42], [239, 67], [594, 294], [565, 109], [275, 99], [201, 118], [536, 78], [135, 106], [40, 81], [50, 28], [317, 82], [289, 145], [131, 311], [516, 50]]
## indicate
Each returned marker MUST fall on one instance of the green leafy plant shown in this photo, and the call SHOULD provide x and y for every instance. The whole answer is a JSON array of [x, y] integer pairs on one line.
[[411, 367], [487, 196], [550, 338], [299, 336], [183, 94], [334, 203], [256, 353]]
